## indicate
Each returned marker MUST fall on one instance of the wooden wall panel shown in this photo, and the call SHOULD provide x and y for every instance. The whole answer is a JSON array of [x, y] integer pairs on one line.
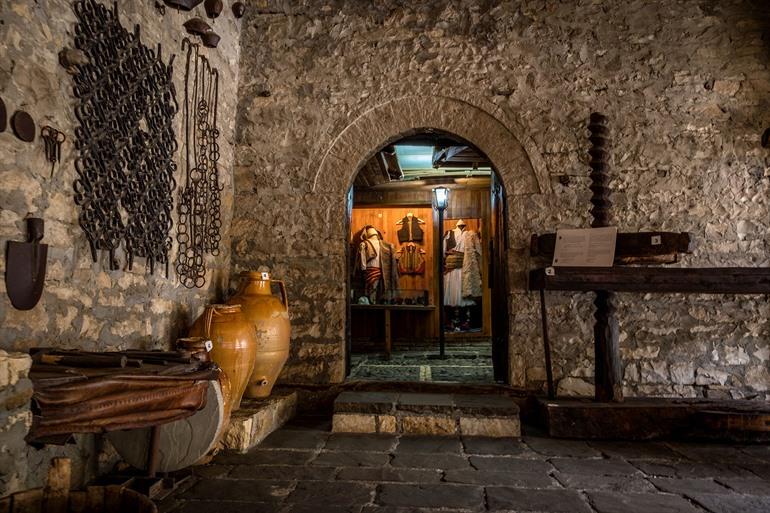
[[406, 325], [472, 205]]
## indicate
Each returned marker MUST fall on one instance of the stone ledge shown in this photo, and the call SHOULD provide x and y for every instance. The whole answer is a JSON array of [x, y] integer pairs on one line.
[[257, 418], [426, 414]]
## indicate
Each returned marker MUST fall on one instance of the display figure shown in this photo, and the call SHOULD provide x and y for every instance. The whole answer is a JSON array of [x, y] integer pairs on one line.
[[410, 231], [377, 260], [462, 270]]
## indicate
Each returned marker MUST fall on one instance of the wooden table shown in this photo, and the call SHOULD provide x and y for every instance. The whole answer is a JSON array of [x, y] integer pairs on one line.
[[387, 309]]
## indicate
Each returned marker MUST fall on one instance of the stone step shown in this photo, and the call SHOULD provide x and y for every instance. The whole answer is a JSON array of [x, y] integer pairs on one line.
[[426, 414], [257, 418]]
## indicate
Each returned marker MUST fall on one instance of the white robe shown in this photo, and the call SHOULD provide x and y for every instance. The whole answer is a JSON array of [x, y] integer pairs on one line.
[[453, 280]]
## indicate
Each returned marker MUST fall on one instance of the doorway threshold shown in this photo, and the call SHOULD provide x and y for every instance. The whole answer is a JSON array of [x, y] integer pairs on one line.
[[470, 365]]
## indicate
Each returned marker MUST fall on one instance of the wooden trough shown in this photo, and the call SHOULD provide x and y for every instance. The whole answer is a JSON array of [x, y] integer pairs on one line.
[[56, 497]]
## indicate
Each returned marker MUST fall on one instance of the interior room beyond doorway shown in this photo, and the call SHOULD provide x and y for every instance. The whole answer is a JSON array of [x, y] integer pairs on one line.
[[401, 255]]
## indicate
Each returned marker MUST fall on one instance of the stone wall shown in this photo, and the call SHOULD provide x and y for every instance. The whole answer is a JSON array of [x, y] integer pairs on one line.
[[86, 305], [684, 83]]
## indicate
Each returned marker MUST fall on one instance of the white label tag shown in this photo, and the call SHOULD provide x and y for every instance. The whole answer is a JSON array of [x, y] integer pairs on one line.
[[656, 240], [208, 345], [591, 247], [550, 271], [265, 276]]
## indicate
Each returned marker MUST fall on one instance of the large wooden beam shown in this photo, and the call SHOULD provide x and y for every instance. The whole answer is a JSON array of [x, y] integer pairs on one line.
[[706, 280], [630, 248]]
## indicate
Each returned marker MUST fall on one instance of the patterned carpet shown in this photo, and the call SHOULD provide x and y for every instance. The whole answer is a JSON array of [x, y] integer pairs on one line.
[[463, 364]]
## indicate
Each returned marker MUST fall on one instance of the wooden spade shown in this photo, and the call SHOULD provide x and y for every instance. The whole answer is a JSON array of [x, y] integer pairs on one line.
[[25, 267]]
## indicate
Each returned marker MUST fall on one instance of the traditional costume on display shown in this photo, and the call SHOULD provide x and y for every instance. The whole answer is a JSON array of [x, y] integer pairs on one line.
[[377, 260], [462, 278], [410, 231], [411, 260]]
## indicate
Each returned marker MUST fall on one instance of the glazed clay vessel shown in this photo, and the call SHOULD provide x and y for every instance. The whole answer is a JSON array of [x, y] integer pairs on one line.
[[234, 347], [270, 316]]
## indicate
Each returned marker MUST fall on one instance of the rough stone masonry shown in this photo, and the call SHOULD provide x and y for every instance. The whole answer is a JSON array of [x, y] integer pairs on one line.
[[320, 85], [86, 305], [685, 84]]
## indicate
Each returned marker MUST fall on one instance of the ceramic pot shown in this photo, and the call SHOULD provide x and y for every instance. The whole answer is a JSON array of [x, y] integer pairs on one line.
[[198, 347], [234, 346], [270, 316]]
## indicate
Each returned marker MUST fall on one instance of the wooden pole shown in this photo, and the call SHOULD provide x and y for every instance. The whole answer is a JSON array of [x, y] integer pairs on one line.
[[546, 347], [607, 367]]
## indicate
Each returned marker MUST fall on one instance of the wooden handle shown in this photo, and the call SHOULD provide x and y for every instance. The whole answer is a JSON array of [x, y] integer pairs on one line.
[[207, 321]]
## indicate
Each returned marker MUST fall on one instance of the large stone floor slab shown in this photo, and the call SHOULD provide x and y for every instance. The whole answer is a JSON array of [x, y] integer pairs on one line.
[[305, 468], [426, 414]]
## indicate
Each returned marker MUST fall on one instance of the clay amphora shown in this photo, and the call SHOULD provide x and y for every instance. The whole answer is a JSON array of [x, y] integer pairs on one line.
[[234, 347], [270, 316]]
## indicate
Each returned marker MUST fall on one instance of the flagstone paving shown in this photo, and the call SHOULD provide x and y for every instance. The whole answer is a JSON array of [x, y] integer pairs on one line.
[[305, 468]]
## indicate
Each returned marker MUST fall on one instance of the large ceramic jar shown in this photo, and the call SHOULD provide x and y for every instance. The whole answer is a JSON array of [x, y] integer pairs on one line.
[[234, 347], [270, 316]]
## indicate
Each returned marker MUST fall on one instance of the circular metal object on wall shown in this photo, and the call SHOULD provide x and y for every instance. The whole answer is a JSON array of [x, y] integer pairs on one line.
[[23, 126], [3, 116]]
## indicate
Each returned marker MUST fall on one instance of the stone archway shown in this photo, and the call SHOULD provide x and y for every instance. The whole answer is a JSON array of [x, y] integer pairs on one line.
[[514, 157], [522, 170]]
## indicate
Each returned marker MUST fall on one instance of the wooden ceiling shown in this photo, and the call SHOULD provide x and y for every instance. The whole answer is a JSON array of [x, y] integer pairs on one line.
[[383, 167]]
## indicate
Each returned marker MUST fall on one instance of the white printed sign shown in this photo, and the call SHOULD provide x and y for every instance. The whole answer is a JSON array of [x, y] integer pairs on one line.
[[591, 247]]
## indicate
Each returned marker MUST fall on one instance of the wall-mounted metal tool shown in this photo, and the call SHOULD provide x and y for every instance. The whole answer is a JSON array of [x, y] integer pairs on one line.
[[213, 8], [197, 26], [3, 116], [200, 200], [25, 267], [52, 139], [125, 139], [185, 5], [23, 126]]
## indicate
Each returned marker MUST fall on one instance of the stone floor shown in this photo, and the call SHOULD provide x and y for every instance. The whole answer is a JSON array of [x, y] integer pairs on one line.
[[304, 468], [463, 364]]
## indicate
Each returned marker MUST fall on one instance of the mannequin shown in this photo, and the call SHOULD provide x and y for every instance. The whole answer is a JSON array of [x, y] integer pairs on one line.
[[370, 261], [376, 259], [462, 278]]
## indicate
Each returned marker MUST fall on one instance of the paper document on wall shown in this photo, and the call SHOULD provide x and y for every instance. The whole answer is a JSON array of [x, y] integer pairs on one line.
[[591, 247]]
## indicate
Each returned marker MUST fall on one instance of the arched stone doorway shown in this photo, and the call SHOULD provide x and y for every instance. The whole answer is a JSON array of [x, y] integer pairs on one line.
[[521, 170]]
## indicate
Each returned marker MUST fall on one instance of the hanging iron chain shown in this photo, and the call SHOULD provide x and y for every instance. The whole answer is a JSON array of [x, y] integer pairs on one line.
[[200, 203], [125, 139]]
